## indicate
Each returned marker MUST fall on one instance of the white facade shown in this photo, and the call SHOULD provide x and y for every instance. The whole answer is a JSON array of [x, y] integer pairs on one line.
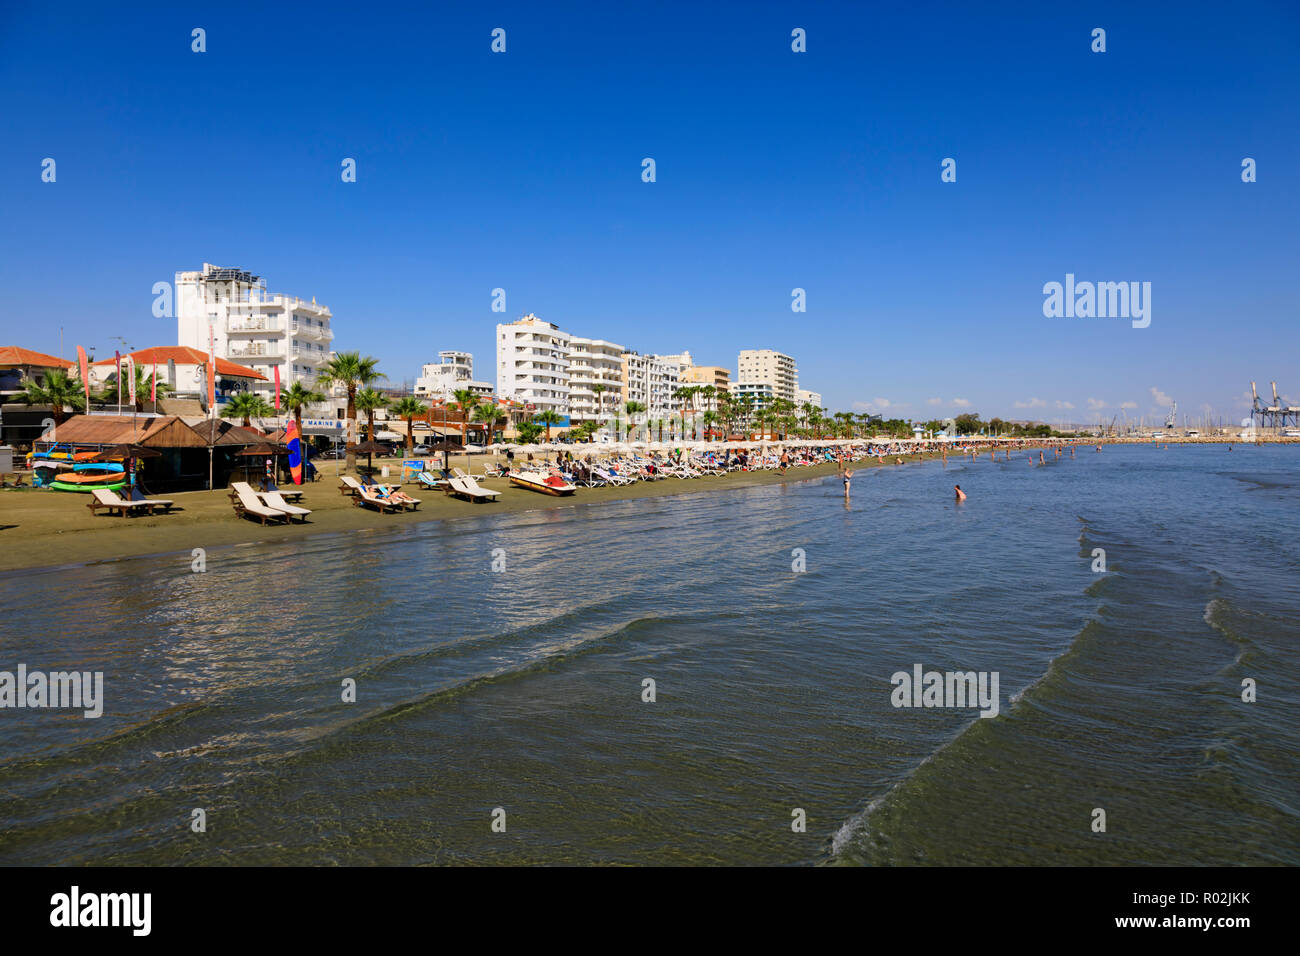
[[594, 362], [774, 368], [804, 397], [652, 380], [762, 393], [533, 364], [253, 327], [452, 372]]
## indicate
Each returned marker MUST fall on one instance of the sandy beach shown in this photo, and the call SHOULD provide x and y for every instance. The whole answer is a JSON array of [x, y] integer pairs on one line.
[[41, 529]]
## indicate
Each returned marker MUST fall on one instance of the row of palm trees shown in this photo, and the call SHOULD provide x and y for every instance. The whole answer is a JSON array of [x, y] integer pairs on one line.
[[64, 394], [715, 412], [716, 409], [355, 374]]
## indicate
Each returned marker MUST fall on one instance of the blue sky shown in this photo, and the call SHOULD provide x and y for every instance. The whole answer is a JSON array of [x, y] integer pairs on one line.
[[775, 170]]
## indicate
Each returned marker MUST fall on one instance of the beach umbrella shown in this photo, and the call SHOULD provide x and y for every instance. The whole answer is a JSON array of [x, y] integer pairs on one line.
[[369, 447]]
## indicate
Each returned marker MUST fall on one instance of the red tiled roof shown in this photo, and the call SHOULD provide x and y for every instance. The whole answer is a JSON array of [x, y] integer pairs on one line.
[[183, 355], [15, 355]]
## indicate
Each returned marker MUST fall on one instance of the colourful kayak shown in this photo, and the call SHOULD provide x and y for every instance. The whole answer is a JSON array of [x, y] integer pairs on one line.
[[87, 477]]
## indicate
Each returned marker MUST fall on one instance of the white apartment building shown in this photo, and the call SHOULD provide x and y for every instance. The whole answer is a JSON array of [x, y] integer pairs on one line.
[[594, 362], [452, 372], [774, 368], [763, 393], [804, 397], [253, 327], [533, 364], [652, 380]]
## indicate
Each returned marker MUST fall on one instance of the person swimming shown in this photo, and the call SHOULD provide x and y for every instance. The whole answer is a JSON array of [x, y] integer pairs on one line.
[[961, 495]]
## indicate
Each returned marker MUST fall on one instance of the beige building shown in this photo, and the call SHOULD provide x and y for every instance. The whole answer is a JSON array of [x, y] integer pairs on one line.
[[773, 368], [715, 375], [804, 397]]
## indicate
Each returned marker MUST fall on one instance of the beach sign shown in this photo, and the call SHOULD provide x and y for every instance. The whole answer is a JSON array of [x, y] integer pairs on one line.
[[295, 451]]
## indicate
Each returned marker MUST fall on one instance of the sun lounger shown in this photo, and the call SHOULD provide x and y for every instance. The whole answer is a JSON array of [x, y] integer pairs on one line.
[[249, 504], [610, 478], [272, 499], [385, 504], [349, 485], [430, 480], [138, 496], [469, 489], [276, 500], [288, 494], [107, 498]]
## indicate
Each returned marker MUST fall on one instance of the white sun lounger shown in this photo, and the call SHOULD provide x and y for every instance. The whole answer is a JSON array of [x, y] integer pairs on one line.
[[248, 504], [468, 488], [276, 500], [272, 499], [107, 498], [385, 504], [138, 496]]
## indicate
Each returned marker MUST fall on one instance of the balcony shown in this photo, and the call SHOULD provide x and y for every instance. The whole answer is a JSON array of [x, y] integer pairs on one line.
[[310, 330], [274, 299], [255, 350], [252, 323]]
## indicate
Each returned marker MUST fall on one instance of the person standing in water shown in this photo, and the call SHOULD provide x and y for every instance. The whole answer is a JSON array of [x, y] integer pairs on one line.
[[847, 475], [961, 495]]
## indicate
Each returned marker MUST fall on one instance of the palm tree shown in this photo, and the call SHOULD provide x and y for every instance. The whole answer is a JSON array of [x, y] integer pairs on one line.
[[745, 411], [297, 397], [351, 371], [370, 401], [709, 418], [408, 409], [246, 406], [109, 395], [632, 408], [599, 392], [548, 418], [584, 431], [726, 410], [57, 391], [528, 431], [685, 396], [489, 416], [465, 402], [710, 394], [806, 412]]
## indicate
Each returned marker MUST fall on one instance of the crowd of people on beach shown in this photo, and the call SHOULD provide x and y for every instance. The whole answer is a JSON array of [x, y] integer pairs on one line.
[[604, 467]]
